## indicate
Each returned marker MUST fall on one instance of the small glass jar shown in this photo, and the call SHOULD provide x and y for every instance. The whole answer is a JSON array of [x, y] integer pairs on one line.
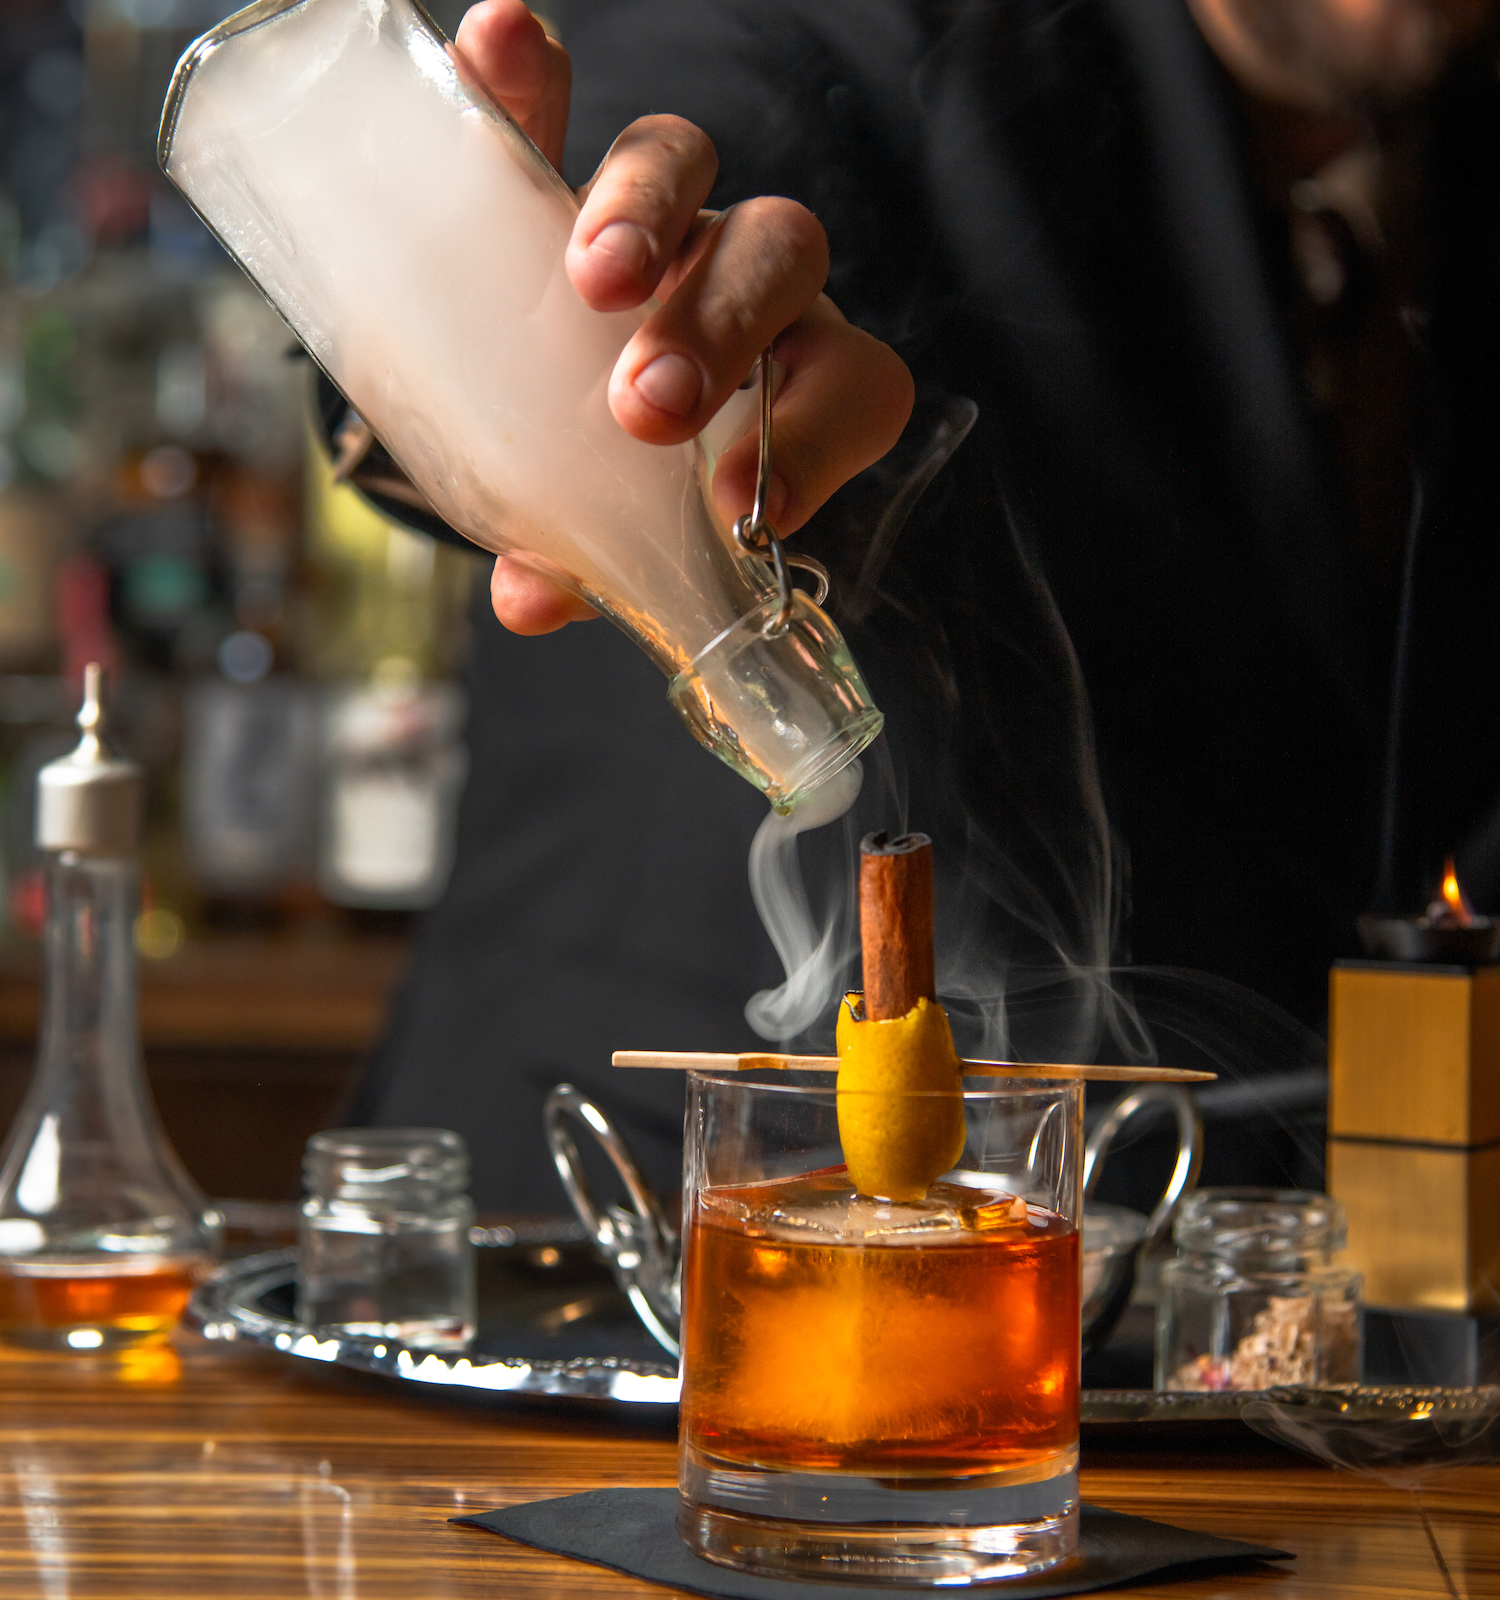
[[1253, 1299], [384, 1248]]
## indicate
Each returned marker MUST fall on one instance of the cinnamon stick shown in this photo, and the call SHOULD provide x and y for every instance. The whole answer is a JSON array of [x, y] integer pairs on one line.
[[895, 923]]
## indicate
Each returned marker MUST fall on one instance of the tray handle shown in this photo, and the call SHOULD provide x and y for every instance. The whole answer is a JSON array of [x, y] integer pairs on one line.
[[640, 1247], [1189, 1147]]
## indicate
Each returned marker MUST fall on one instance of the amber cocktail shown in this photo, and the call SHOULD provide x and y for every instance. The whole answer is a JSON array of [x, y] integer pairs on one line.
[[876, 1390]]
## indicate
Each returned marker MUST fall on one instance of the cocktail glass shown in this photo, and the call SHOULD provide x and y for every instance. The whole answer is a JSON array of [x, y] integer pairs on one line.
[[876, 1391]]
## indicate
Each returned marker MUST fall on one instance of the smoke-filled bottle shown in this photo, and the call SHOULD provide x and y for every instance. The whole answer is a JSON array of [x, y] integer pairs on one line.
[[102, 1233], [415, 240]]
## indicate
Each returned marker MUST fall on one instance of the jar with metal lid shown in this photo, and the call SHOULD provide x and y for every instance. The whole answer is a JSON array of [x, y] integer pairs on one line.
[[1253, 1299], [384, 1248]]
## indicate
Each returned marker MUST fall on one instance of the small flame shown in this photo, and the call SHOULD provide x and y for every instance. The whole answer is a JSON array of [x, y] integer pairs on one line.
[[1453, 908]]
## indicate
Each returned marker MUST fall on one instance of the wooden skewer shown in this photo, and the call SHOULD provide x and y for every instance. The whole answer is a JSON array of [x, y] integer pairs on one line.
[[708, 1061]]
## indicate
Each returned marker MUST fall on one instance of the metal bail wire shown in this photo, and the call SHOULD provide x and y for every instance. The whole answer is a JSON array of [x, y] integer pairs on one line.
[[755, 535]]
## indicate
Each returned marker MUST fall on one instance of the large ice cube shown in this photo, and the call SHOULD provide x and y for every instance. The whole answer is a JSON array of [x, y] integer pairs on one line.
[[824, 1206]]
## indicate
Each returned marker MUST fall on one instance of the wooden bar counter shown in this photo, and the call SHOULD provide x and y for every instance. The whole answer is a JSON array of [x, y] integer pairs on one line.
[[216, 1471]]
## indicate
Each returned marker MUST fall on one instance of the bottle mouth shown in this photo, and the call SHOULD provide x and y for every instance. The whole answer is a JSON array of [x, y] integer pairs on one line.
[[369, 1163], [1260, 1224], [785, 709]]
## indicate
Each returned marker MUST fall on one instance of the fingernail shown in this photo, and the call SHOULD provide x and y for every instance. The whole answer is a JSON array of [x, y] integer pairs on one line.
[[628, 244], [671, 383]]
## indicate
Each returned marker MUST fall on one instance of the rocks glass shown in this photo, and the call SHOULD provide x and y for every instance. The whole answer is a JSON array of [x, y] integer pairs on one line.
[[877, 1391]]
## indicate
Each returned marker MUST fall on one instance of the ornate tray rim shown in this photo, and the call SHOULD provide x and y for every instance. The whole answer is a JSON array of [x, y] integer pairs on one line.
[[224, 1307]]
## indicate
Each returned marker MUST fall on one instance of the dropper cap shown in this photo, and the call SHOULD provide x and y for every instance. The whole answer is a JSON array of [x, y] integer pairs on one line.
[[90, 800]]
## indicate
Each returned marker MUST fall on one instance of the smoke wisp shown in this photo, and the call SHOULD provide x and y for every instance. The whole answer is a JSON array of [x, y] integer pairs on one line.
[[814, 950], [990, 748]]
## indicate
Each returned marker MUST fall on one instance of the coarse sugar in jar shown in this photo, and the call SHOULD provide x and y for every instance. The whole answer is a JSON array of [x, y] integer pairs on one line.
[[1253, 1298]]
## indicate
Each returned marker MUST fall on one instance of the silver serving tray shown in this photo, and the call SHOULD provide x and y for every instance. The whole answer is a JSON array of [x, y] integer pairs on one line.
[[1430, 1406], [554, 1327]]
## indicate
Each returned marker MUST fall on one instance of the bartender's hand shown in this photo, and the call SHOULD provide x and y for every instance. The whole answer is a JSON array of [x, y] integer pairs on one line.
[[729, 284]]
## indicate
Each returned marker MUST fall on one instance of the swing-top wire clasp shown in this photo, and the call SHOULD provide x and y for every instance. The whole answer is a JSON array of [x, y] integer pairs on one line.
[[754, 534]]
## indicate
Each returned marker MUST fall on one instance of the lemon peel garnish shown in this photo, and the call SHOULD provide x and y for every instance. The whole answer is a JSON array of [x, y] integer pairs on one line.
[[900, 1100]]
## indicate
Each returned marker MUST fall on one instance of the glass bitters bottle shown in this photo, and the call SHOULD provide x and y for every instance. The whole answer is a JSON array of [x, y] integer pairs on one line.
[[102, 1232]]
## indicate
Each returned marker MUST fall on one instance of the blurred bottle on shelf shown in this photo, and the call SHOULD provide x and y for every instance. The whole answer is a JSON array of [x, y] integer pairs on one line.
[[34, 729], [39, 404], [81, 601], [279, 654], [393, 608], [168, 598], [394, 769], [34, 532], [378, 589], [250, 765]]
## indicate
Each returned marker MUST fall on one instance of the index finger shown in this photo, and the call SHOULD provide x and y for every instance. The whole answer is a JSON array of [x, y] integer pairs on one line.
[[529, 73], [637, 209]]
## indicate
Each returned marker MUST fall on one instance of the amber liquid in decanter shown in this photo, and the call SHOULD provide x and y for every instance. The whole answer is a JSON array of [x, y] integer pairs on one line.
[[93, 1306]]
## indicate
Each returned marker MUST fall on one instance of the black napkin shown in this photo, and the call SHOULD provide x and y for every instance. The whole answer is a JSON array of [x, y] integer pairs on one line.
[[634, 1531]]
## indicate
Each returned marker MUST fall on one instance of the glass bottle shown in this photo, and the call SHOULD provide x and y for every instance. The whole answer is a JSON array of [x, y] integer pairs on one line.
[[394, 770], [414, 238], [249, 783], [1253, 1299], [383, 1248], [102, 1233]]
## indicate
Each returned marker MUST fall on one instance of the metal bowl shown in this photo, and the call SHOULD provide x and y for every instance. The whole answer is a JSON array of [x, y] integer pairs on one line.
[[1112, 1240], [1417, 939]]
